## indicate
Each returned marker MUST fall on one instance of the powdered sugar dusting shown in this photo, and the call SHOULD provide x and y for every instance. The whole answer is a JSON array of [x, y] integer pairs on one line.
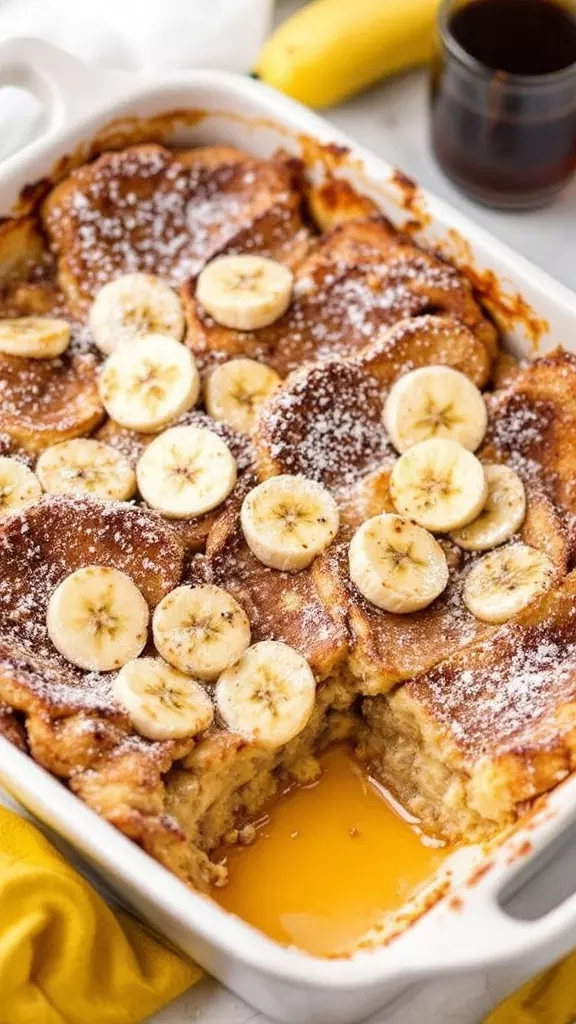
[[49, 679], [54, 392], [145, 210], [518, 430], [508, 686], [280, 605], [41, 545], [326, 423], [400, 646], [340, 305]]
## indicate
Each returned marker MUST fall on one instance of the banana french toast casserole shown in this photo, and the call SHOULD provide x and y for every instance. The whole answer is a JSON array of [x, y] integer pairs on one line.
[[267, 482]]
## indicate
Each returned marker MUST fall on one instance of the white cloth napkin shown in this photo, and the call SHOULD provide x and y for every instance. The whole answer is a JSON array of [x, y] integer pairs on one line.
[[130, 35]]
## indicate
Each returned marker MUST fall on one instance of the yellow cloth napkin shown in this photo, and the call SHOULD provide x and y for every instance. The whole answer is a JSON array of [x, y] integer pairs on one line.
[[548, 999], [65, 957]]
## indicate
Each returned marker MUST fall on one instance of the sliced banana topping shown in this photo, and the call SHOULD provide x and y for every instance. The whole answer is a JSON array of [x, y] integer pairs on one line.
[[19, 486], [145, 385], [235, 391], [268, 695], [131, 306], [396, 565], [289, 520], [185, 472], [34, 337], [502, 515], [84, 464], [439, 484], [506, 581], [200, 630], [163, 704], [435, 401], [97, 618], [244, 292]]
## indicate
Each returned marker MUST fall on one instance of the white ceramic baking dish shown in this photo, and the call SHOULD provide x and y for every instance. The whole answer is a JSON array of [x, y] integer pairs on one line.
[[470, 929]]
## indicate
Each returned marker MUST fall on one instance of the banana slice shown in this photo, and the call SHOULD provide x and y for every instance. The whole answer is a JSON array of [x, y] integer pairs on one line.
[[145, 385], [502, 515], [268, 695], [200, 630], [288, 520], [439, 484], [506, 581], [396, 565], [86, 465], [235, 391], [185, 472], [19, 486], [97, 618], [34, 337], [131, 306], [163, 704], [435, 401], [244, 292]]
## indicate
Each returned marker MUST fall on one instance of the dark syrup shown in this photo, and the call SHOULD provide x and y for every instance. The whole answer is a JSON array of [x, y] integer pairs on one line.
[[505, 140]]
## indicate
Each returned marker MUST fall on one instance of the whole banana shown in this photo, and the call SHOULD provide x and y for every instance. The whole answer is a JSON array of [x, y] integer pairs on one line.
[[333, 48]]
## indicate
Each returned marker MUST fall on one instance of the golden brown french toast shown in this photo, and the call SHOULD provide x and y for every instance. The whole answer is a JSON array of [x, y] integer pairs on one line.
[[386, 648], [360, 277], [281, 606], [151, 210], [269, 612], [489, 728], [532, 426], [426, 340], [325, 423], [46, 401], [73, 726], [192, 532]]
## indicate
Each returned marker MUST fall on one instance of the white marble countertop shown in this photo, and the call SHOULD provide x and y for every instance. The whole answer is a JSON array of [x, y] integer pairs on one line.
[[390, 119]]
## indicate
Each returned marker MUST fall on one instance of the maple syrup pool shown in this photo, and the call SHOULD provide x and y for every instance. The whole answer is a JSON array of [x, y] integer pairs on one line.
[[328, 860]]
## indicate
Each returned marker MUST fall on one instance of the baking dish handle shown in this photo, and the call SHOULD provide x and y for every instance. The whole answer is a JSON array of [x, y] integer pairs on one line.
[[66, 87], [479, 933]]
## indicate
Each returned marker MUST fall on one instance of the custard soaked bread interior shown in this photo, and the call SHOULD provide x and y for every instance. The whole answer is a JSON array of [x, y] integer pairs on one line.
[[267, 483]]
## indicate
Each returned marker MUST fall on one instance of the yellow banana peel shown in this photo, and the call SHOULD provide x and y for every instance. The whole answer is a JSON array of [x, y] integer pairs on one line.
[[330, 49]]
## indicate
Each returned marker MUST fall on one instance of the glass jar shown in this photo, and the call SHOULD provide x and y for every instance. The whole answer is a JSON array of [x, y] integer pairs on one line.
[[506, 138]]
